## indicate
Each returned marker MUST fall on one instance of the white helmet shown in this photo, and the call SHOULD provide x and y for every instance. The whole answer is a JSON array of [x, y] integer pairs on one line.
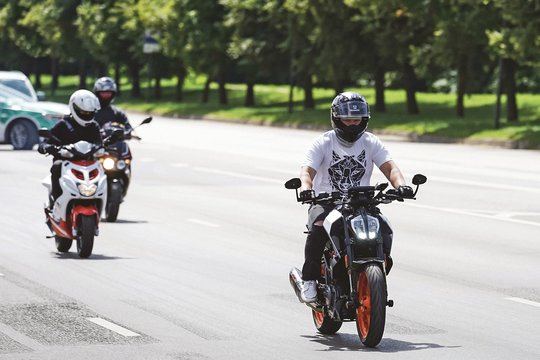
[[83, 105]]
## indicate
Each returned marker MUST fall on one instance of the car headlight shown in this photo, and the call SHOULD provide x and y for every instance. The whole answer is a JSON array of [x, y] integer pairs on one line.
[[362, 232], [108, 163], [87, 190]]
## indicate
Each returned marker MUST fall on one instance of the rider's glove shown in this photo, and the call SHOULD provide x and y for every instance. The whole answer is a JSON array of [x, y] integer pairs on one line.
[[307, 195], [405, 191], [45, 148]]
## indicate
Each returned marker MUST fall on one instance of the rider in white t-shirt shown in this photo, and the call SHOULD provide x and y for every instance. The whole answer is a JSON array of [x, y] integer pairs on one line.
[[336, 161]]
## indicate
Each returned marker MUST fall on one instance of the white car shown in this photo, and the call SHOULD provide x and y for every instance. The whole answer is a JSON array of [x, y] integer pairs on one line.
[[22, 112]]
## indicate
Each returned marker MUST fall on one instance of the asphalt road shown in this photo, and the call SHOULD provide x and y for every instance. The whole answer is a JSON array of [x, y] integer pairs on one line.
[[196, 266]]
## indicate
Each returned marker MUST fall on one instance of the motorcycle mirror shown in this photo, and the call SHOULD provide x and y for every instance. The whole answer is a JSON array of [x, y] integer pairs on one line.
[[294, 183], [381, 186], [146, 121], [44, 133], [419, 179]]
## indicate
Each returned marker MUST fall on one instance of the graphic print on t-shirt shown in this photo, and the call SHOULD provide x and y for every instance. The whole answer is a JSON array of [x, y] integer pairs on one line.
[[347, 171]]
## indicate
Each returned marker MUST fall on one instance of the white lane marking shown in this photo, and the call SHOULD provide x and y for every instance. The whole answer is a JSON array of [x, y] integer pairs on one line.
[[239, 175], [1, 274], [523, 301], [471, 213], [202, 222], [113, 327], [179, 165], [484, 184]]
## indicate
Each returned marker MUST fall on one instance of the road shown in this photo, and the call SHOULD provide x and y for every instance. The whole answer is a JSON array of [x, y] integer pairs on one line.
[[196, 266]]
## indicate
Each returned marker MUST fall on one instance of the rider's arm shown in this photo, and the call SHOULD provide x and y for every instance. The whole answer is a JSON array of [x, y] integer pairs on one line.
[[393, 174], [306, 176]]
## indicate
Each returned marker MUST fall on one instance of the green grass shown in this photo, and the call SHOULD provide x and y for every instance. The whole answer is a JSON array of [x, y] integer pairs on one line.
[[437, 111]]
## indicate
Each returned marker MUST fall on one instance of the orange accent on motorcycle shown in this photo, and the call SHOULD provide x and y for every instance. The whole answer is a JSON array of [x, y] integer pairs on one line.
[[363, 313], [83, 210], [61, 229]]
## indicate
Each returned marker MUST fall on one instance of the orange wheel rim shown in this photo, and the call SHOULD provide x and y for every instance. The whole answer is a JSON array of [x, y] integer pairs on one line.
[[319, 318], [363, 313]]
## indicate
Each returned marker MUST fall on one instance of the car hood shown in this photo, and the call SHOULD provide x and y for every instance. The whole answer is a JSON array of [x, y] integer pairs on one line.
[[45, 107]]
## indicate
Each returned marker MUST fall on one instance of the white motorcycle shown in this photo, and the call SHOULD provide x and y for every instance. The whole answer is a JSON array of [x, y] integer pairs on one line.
[[76, 212]]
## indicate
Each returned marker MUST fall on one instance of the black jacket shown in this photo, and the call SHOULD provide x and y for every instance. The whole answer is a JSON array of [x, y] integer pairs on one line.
[[68, 131], [112, 114]]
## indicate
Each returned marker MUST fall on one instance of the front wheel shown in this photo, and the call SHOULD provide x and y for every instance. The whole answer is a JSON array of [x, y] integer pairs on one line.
[[324, 324], [85, 237], [371, 314], [113, 202]]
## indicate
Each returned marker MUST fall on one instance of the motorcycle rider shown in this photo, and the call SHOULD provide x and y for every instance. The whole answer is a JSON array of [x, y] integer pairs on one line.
[[336, 161], [105, 89], [79, 125]]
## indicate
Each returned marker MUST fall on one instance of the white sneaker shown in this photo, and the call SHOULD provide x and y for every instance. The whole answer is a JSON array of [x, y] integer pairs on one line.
[[309, 291]]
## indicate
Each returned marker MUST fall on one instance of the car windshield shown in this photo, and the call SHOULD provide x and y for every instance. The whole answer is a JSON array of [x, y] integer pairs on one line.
[[19, 85], [10, 92]]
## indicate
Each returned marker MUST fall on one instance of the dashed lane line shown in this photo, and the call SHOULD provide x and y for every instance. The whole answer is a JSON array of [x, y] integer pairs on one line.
[[524, 301], [113, 327], [202, 222]]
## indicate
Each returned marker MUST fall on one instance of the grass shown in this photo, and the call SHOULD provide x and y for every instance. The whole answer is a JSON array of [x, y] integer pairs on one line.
[[436, 119]]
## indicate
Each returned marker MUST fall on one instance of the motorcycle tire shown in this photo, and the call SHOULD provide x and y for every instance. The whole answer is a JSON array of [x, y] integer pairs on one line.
[[113, 202], [371, 314], [62, 244], [324, 324], [85, 238]]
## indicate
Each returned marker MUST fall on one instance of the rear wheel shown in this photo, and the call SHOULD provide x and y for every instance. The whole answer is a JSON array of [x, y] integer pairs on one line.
[[85, 237], [324, 324], [23, 135], [371, 314], [113, 202], [62, 244]]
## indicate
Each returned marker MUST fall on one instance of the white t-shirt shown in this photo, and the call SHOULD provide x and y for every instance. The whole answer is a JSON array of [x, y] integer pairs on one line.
[[339, 167]]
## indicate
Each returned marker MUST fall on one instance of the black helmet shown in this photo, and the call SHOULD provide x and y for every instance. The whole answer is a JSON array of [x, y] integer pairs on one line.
[[105, 84], [349, 105]]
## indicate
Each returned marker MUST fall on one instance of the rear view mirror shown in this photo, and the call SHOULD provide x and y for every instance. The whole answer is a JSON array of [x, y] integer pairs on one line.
[[419, 179], [294, 183], [146, 121]]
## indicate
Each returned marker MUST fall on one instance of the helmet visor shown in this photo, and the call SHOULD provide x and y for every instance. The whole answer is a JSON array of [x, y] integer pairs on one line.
[[84, 114], [351, 109]]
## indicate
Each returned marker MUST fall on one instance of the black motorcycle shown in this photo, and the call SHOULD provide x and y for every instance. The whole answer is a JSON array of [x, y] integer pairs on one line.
[[117, 165], [352, 285]]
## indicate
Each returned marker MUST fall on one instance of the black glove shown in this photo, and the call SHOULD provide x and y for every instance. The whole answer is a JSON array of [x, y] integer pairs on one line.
[[307, 195], [45, 148], [405, 191]]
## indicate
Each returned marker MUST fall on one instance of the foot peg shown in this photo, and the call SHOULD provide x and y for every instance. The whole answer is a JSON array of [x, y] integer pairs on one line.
[[390, 303]]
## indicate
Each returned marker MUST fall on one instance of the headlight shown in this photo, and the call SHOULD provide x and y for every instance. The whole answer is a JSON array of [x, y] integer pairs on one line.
[[360, 229], [87, 190], [120, 164], [108, 163]]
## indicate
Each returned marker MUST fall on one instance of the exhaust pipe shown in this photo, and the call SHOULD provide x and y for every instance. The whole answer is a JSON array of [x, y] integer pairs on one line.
[[295, 278]]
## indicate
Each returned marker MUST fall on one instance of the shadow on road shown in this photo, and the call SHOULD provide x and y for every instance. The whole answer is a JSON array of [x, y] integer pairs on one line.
[[350, 342], [73, 255]]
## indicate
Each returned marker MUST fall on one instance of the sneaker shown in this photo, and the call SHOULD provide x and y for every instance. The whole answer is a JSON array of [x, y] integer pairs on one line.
[[308, 292]]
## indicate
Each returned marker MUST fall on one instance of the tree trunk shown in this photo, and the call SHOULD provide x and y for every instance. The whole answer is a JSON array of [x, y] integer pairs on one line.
[[309, 102], [461, 85], [409, 79], [135, 80], [117, 78], [206, 91], [82, 73], [180, 78], [250, 93], [222, 89], [380, 104], [157, 87], [509, 68], [54, 74], [37, 73]]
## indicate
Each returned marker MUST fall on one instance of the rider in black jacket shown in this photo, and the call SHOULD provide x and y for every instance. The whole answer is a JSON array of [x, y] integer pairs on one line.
[[79, 125], [105, 89]]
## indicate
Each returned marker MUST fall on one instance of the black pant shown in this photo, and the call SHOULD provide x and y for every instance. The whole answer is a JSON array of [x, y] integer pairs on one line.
[[317, 238], [56, 171]]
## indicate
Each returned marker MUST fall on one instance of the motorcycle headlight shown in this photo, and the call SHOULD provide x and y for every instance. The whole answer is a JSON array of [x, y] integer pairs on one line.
[[364, 232], [87, 190], [120, 164], [108, 163]]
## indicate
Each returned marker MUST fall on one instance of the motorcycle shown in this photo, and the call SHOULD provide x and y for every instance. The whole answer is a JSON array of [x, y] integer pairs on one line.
[[76, 212], [117, 165], [352, 285]]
